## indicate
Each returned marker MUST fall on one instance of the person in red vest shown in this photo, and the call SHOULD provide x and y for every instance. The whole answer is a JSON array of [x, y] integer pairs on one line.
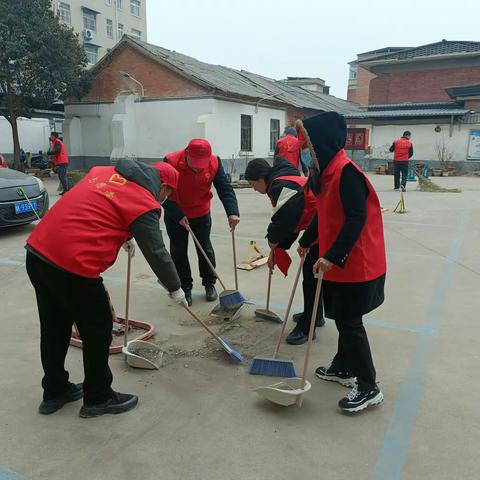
[[294, 210], [59, 159], [198, 169], [402, 152], [3, 162], [352, 255], [77, 240], [289, 148]]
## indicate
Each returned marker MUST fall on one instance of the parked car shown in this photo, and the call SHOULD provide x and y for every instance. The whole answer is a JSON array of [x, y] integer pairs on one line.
[[15, 209]]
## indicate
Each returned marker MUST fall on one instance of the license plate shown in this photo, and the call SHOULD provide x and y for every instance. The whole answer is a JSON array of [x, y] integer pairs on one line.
[[25, 207]]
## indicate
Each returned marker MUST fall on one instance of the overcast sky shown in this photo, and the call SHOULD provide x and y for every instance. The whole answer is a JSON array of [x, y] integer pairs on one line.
[[279, 38]]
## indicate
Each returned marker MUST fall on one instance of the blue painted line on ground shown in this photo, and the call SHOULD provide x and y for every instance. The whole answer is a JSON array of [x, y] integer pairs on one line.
[[6, 475], [394, 448]]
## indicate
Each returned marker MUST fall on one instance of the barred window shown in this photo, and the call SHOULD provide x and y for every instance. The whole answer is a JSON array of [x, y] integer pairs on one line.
[[64, 12], [135, 7], [274, 133], [90, 21], [109, 28], [246, 133]]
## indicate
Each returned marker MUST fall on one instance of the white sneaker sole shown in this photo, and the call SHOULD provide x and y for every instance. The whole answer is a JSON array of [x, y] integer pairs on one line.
[[376, 400], [346, 382]]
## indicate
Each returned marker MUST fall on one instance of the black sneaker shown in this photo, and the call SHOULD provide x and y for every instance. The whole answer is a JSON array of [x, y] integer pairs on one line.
[[74, 393], [403, 189], [296, 317], [188, 296], [358, 400], [119, 403], [298, 337], [343, 378], [396, 189], [210, 293]]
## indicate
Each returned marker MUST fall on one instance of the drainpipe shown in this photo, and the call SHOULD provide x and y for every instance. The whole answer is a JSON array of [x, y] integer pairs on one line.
[[451, 126]]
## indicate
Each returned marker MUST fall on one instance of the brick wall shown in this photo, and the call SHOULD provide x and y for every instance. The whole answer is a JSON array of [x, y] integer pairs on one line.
[[423, 86], [473, 105], [359, 94], [158, 81]]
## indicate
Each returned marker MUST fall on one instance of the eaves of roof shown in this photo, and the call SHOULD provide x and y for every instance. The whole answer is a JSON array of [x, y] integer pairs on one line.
[[434, 112]]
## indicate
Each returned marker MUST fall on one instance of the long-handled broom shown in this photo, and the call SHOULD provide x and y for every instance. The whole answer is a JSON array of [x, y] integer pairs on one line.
[[229, 299], [266, 313], [275, 367], [234, 355]]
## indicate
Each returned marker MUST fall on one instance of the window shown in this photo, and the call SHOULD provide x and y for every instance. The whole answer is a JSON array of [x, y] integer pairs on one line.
[[108, 2], [89, 21], [135, 7], [109, 28], [64, 12], [120, 4], [246, 133], [119, 31], [91, 52], [353, 72], [136, 34], [274, 133]]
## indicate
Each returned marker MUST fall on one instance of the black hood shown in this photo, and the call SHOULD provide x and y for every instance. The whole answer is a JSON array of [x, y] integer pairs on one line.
[[140, 173], [327, 133], [282, 168]]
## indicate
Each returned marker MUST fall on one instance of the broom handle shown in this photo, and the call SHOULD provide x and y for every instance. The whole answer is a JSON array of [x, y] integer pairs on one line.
[[290, 301], [234, 259], [127, 300], [204, 325], [313, 321], [204, 255], [29, 202], [270, 273]]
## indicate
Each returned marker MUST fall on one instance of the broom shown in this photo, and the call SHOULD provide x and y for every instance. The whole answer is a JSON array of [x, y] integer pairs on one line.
[[265, 313], [234, 355], [274, 367], [229, 299]]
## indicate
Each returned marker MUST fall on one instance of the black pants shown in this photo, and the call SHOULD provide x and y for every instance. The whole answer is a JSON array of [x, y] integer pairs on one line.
[[354, 353], [64, 298], [201, 227], [309, 285], [400, 167], [62, 176]]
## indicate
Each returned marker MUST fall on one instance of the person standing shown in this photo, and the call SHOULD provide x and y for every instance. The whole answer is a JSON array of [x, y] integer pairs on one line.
[[352, 255], [294, 209], [289, 148], [198, 169], [59, 155], [402, 152], [76, 241]]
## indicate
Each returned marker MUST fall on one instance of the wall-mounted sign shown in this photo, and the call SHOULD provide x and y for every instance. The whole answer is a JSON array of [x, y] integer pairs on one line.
[[474, 145], [356, 139]]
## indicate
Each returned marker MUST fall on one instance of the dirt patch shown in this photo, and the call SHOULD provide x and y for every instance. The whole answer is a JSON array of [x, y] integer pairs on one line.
[[151, 354]]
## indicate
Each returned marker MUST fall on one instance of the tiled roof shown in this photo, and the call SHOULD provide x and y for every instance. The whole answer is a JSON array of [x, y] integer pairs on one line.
[[464, 91], [423, 112], [228, 81]]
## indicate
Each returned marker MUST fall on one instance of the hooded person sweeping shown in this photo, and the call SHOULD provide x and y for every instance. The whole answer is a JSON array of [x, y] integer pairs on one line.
[[293, 210], [352, 255], [77, 240]]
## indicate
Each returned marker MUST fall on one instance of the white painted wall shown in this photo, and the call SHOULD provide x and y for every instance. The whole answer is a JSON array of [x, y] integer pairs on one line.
[[33, 134], [152, 129]]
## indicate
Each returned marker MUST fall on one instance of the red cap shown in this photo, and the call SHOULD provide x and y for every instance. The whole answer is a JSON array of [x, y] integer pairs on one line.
[[199, 151], [168, 175]]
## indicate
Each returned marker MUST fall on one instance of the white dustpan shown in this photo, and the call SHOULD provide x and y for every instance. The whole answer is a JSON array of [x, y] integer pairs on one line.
[[140, 354], [286, 393]]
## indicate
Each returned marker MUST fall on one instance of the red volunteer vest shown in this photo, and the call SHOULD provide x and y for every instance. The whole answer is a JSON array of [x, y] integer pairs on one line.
[[289, 149], [366, 260], [194, 192], [62, 157], [83, 232], [310, 203], [402, 149]]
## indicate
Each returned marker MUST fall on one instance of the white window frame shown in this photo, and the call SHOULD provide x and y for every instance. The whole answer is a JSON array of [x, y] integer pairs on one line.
[[108, 2], [135, 7], [93, 51], [109, 27], [134, 35], [65, 12], [119, 4], [88, 24], [120, 30]]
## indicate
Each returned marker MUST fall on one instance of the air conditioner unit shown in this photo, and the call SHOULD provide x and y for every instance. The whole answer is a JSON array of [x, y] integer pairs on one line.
[[87, 34]]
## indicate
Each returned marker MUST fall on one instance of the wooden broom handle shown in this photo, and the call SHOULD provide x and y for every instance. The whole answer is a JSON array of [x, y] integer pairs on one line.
[[290, 301], [313, 321], [270, 273], [203, 324], [234, 259], [204, 255], [127, 299]]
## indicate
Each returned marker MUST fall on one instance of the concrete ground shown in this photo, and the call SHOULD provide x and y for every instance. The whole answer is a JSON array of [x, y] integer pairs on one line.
[[198, 417]]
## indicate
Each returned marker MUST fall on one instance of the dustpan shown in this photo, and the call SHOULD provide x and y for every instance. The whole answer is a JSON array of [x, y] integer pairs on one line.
[[140, 354], [227, 313], [285, 393]]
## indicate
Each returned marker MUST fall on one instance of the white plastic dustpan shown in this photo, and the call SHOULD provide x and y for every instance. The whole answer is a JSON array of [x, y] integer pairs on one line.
[[140, 354], [286, 393]]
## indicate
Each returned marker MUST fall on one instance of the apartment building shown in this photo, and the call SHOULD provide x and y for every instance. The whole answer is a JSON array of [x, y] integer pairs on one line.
[[100, 24]]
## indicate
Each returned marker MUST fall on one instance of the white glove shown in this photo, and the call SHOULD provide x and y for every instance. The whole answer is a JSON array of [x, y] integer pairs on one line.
[[179, 297], [129, 247]]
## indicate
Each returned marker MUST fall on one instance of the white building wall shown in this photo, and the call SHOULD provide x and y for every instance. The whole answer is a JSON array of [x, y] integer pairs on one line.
[[33, 134]]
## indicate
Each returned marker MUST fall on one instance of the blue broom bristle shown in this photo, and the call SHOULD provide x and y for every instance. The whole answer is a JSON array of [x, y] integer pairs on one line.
[[232, 300], [234, 355], [272, 368]]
